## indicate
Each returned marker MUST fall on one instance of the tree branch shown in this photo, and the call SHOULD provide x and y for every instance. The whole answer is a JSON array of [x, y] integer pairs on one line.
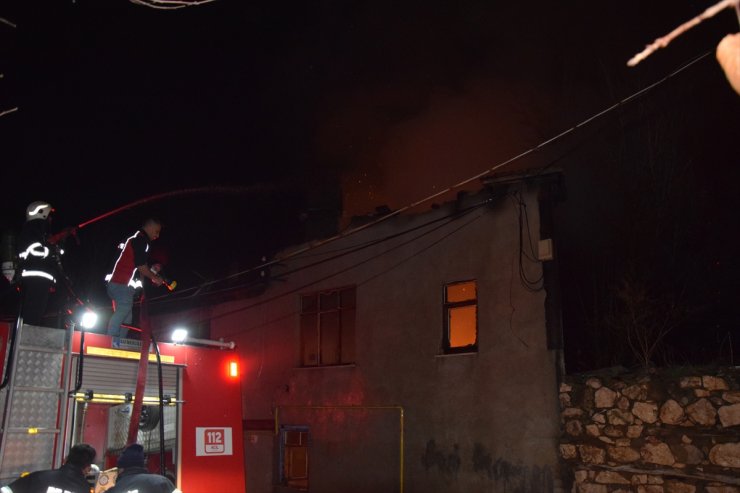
[[170, 4], [11, 110], [6, 21], [663, 42]]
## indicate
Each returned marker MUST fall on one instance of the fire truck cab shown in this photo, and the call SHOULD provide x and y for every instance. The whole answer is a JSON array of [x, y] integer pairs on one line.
[[64, 386]]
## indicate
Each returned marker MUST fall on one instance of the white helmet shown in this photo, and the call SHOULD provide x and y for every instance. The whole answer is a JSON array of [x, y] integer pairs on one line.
[[38, 210]]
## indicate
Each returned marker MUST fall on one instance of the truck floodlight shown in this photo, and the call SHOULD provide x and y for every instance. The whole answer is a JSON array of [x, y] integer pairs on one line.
[[88, 319], [209, 342], [179, 336]]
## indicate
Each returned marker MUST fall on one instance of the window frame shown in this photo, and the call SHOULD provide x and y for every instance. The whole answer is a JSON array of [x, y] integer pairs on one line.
[[341, 323], [447, 306]]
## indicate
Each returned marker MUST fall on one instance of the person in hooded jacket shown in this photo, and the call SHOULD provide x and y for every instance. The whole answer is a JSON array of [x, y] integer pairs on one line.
[[133, 476]]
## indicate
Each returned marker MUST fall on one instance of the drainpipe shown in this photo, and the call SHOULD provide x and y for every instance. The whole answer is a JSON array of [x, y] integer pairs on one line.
[[355, 408]]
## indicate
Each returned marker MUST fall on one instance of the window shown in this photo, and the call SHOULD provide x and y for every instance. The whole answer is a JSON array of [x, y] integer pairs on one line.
[[461, 318], [294, 457], [328, 327]]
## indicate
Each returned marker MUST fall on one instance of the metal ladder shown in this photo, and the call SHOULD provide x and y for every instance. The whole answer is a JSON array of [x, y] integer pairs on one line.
[[35, 401]]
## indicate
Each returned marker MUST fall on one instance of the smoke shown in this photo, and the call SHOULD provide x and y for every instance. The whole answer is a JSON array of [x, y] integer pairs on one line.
[[394, 146]]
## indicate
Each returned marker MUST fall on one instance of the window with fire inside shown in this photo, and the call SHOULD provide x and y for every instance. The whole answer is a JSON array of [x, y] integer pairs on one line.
[[460, 332]]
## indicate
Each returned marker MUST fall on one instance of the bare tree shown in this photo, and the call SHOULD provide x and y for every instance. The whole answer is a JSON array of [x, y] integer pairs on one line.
[[644, 319], [170, 4]]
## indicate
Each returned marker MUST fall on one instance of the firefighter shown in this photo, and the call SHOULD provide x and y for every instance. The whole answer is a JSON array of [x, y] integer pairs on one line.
[[39, 263], [125, 277], [133, 476], [70, 478]]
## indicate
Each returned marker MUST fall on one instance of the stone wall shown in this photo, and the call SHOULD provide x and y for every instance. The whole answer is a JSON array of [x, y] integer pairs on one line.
[[666, 431]]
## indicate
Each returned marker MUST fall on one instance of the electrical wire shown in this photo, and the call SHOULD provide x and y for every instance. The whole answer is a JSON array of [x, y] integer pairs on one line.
[[451, 219], [522, 220], [351, 231], [360, 283], [492, 169], [338, 253]]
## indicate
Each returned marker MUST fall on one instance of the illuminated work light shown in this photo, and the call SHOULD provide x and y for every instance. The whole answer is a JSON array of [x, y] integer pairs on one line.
[[89, 319], [180, 336]]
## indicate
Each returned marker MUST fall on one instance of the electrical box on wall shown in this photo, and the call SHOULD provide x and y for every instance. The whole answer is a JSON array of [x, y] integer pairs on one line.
[[544, 250]]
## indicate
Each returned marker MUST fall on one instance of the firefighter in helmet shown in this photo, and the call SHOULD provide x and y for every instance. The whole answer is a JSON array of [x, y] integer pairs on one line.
[[38, 262]]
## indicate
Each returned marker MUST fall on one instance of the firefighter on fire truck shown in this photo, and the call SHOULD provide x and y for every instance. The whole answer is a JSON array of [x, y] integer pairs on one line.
[[39, 262]]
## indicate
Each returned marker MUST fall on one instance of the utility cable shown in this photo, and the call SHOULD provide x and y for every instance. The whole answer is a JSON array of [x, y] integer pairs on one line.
[[340, 253], [351, 231], [346, 269], [531, 150], [365, 281]]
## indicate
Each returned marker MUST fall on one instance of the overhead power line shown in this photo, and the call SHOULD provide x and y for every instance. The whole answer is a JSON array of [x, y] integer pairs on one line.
[[583, 123]]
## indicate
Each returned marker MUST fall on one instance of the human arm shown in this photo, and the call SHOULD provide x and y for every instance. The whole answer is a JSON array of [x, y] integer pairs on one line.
[[140, 248], [145, 271]]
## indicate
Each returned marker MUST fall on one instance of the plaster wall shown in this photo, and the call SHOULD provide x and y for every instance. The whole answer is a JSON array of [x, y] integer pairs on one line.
[[485, 421]]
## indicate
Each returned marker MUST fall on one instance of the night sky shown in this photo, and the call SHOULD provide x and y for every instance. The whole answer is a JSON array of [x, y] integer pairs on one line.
[[250, 118]]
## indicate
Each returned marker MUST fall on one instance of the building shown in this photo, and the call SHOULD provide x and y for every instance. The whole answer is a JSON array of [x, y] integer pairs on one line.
[[412, 353]]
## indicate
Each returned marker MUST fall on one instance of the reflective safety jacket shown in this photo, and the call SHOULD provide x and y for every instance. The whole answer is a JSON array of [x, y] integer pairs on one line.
[[133, 254], [36, 255], [66, 479]]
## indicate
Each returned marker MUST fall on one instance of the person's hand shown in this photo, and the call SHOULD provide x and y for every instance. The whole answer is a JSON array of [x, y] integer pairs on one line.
[[157, 280], [728, 56]]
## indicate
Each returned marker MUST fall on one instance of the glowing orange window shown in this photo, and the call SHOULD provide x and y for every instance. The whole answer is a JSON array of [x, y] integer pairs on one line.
[[461, 317]]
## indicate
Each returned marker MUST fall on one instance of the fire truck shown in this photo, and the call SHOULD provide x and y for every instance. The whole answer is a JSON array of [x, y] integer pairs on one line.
[[63, 386]]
